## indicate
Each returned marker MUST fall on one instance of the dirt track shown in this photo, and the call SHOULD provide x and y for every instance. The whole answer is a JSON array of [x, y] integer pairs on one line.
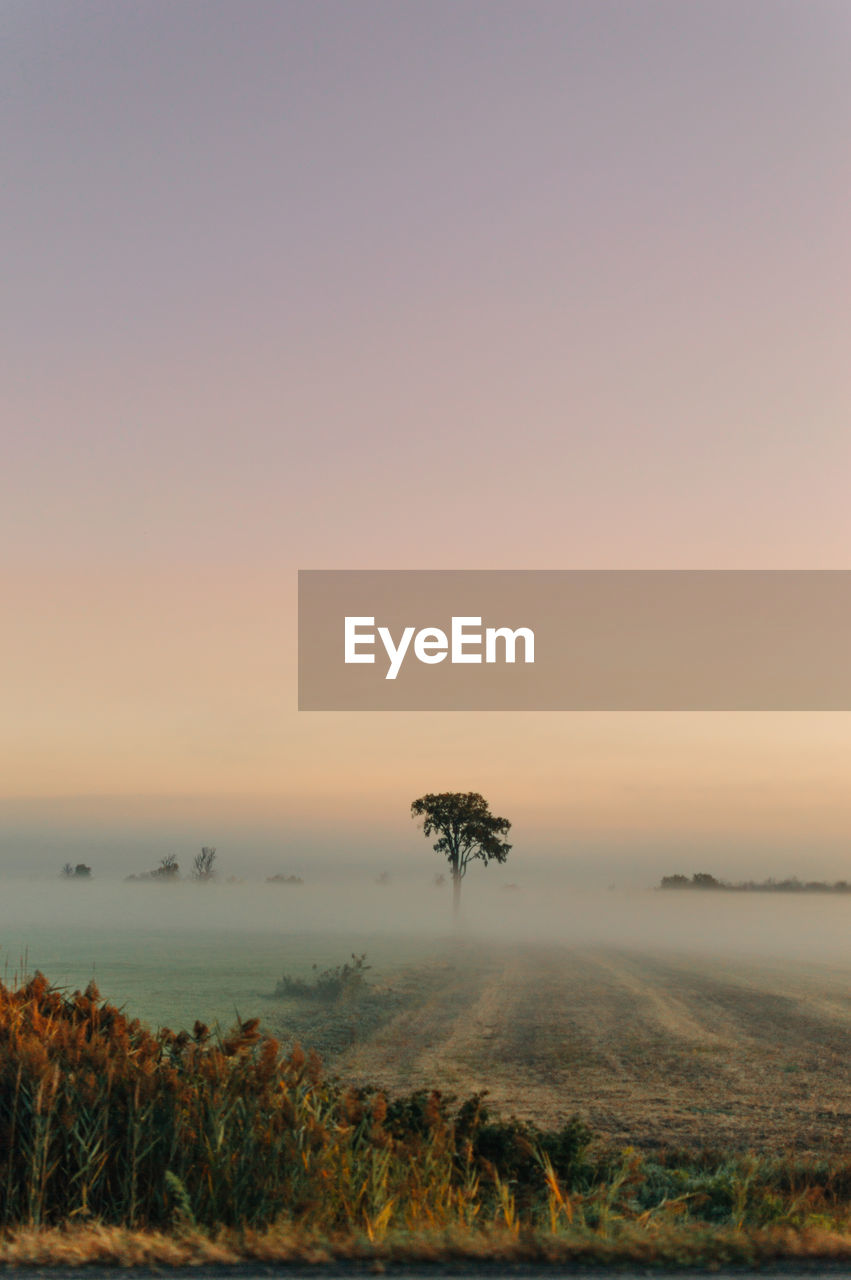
[[651, 1050]]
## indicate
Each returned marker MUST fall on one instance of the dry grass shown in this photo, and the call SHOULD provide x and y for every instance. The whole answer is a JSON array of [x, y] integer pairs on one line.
[[653, 1050], [673, 1245]]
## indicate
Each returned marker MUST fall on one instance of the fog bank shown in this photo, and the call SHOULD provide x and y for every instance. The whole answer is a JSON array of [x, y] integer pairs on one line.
[[802, 925]]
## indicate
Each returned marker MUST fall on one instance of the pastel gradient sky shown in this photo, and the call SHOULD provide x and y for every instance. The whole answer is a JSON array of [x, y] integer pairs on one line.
[[463, 283]]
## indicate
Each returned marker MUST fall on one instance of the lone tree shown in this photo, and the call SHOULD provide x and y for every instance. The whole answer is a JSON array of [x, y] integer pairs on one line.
[[466, 829]]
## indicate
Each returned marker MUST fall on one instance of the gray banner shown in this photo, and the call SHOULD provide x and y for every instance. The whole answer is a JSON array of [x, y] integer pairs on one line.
[[574, 640]]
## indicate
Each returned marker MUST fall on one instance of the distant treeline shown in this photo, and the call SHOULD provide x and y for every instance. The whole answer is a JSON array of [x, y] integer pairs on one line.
[[702, 880]]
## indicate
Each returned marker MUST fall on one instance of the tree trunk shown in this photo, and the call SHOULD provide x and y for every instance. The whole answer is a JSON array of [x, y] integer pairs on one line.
[[456, 894]]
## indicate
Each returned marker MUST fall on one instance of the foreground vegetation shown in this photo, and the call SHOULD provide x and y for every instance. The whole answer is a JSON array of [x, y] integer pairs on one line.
[[120, 1145]]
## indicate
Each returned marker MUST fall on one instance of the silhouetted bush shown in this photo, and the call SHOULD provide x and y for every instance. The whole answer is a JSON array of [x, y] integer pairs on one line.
[[344, 982]]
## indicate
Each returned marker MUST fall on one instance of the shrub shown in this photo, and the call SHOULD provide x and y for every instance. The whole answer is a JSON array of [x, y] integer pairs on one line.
[[344, 982]]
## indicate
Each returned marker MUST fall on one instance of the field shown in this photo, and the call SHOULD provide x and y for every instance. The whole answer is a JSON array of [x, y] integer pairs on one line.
[[651, 1041], [654, 1050], [667, 1075]]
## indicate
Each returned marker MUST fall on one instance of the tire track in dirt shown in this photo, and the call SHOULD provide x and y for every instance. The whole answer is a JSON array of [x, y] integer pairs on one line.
[[440, 1000]]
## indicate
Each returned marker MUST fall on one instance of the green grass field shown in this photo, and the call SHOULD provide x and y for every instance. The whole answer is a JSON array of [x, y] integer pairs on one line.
[[169, 980], [173, 954]]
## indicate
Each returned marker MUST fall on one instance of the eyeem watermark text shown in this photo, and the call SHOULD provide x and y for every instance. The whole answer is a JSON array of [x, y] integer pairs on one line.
[[463, 644]]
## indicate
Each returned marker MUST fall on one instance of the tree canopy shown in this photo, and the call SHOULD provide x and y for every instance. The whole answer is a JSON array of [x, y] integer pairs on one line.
[[466, 829]]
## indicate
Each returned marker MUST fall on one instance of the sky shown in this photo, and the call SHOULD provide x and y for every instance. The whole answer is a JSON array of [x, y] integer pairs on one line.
[[392, 285]]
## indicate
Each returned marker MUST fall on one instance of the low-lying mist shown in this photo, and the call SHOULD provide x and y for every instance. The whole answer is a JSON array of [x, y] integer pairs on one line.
[[796, 925]]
